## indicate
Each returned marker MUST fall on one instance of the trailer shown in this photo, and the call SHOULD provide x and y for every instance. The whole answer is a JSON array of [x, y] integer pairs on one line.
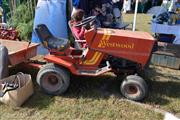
[[19, 51]]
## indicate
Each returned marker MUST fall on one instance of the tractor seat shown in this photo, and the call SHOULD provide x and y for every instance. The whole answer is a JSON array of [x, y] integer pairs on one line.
[[49, 41]]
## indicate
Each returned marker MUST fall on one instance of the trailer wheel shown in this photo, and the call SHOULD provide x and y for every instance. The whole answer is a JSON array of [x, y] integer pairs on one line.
[[134, 88], [53, 79]]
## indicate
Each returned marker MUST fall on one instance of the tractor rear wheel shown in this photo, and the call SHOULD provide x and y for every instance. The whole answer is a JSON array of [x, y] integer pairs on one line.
[[53, 79], [134, 88]]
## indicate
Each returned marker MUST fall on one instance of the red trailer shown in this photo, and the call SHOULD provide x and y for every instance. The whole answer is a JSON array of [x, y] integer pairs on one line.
[[19, 51]]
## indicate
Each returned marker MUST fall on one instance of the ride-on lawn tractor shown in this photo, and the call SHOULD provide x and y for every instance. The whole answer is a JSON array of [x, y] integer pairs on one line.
[[107, 50]]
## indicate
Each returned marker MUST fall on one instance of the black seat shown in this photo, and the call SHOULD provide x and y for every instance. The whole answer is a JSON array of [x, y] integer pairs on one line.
[[49, 41]]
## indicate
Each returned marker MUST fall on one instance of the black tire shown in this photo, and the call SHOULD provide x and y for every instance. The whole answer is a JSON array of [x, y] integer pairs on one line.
[[134, 88], [53, 79]]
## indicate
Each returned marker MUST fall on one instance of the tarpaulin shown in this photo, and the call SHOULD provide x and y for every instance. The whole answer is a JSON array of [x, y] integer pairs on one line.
[[52, 13], [76, 3]]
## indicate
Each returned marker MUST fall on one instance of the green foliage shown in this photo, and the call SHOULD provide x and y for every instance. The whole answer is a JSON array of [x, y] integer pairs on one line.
[[22, 20], [25, 30], [5, 6]]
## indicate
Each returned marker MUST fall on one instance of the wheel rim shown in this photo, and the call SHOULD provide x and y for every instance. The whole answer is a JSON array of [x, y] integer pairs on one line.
[[132, 90], [52, 82]]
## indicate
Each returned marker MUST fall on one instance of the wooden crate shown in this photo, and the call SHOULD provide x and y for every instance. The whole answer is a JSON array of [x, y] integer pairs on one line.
[[168, 55]]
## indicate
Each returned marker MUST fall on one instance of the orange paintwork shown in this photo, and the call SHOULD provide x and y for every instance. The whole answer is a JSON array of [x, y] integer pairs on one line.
[[134, 46], [93, 58], [19, 51], [63, 61]]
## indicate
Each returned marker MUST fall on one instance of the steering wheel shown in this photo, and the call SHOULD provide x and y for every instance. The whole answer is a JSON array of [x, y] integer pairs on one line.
[[86, 21]]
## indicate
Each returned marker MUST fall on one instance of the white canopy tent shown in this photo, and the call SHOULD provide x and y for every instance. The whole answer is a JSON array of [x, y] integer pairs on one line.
[[172, 2], [135, 15]]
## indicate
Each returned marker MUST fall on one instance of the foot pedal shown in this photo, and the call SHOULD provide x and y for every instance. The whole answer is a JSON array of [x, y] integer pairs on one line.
[[96, 72]]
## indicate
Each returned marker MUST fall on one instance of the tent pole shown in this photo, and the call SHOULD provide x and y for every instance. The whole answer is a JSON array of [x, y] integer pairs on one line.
[[171, 5], [135, 16]]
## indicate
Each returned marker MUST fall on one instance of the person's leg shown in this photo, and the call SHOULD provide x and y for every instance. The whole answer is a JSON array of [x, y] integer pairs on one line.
[[124, 6], [139, 7], [153, 2], [143, 8], [121, 5], [133, 5], [4, 17], [148, 5], [129, 5]]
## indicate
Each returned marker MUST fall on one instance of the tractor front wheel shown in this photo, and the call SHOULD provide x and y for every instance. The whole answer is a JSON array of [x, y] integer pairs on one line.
[[134, 88], [53, 79]]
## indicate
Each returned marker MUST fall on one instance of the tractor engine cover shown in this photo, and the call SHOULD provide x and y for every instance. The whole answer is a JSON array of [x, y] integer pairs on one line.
[[134, 46]]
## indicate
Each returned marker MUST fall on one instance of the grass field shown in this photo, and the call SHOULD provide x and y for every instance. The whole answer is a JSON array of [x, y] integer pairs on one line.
[[98, 98], [143, 21], [87, 98]]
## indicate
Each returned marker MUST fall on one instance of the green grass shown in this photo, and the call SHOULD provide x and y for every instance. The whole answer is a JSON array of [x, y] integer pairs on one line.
[[87, 98], [99, 97], [142, 23], [165, 85]]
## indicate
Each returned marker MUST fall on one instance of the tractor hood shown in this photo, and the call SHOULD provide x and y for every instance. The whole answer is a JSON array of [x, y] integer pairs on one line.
[[135, 46]]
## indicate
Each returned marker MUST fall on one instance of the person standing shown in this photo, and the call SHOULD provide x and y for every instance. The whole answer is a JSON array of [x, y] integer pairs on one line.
[[1, 14], [1, 11], [154, 2], [127, 6], [142, 4]]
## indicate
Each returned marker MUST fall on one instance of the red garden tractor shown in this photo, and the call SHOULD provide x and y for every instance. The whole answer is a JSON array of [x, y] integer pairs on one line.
[[107, 50]]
